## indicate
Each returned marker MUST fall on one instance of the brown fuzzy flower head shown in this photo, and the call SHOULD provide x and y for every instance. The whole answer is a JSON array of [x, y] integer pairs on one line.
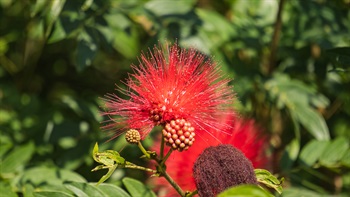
[[221, 167]]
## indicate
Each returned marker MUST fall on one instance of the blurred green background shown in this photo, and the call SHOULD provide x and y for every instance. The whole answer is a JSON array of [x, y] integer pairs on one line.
[[289, 60]]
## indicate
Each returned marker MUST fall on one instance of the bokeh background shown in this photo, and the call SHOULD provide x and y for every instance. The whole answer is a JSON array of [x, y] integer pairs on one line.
[[289, 60]]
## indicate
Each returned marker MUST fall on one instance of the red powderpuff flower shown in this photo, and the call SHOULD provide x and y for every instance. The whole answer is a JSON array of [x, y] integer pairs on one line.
[[245, 136], [170, 84]]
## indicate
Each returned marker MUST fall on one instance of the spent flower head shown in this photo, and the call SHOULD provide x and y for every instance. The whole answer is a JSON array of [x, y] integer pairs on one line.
[[220, 167], [171, 84]]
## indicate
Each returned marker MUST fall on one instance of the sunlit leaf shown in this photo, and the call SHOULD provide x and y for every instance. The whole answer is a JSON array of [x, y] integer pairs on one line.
[[293, 192], [17, 158], [245, 191], [163, 8], [265, 177], [113, 190], [312, 152], [6, 144], [43, 176], [84, 189], [58, 33], [334, 151], [109, 159], [54, 9], [7, 190], [311, 120], [52, 194], [136, 188], [346, 159]]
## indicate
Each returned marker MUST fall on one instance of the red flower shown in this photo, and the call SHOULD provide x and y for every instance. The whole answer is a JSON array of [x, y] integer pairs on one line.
[[245, 136], [170, 84]]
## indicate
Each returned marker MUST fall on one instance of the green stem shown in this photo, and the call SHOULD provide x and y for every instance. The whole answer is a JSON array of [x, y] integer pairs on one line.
[[143, 150], [190, 194], [162, 148], [166, 157], [172, 182], [134, 166], [161, 169]]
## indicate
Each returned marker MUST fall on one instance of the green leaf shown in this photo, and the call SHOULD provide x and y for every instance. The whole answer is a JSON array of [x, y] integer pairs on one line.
[[95, 151], [113, 190], [245, 191], [5, 143], [311, 120], [346, 159], [37, 7], [109, 159], [121, 34], [312, 152], [52, 13], [58, 33], [282, 90], [17, 159], [84, 189], [111, 169], [52, 194], [122, 39], [163, 8], [269, 180], [293, 192], [87, 4], [43, 176], [136, 188], [215, 27], [86, 51], [334, 151], [6, 190], [290, 154]]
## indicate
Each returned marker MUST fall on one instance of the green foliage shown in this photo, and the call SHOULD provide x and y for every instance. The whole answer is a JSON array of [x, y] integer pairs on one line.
[[321, 153], [267, 179], [245, 191], [16, 159], [57, 58], [136, 188], [109, 159], [85, 189]]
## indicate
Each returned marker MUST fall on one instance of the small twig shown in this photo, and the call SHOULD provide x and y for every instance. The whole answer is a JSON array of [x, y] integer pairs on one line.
[[134, 166], [166, 157], [275, 38], [161, 169], [162, 148], [143, 150], [190, 194]]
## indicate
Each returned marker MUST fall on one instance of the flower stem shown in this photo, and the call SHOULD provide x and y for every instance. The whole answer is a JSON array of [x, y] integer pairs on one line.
[[161, 169], [166, 157], [162, 148], [190, 194], [172, 182], [143, 150]]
